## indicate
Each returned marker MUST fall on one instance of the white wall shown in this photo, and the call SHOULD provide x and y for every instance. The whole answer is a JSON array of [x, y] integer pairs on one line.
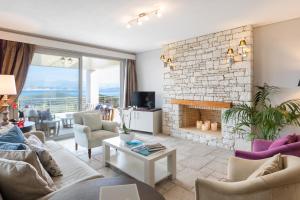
[[56, 44], [150, 73], [277, 58]]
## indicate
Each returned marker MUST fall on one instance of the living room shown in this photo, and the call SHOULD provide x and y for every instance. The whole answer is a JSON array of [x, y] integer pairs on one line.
[[150, 100]]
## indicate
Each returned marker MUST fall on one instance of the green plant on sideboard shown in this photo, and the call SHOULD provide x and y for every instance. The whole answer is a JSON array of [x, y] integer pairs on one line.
[[262, 120]]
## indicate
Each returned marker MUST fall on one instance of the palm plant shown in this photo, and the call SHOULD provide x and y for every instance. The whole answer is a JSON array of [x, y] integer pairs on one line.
[[261, 119]]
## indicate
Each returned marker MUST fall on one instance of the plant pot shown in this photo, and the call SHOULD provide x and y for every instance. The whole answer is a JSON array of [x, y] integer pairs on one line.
[[127, 137]]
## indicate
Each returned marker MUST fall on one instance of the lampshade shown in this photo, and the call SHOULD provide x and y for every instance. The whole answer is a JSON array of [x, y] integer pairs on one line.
[[243, 43], [7, 85], [230, 52]]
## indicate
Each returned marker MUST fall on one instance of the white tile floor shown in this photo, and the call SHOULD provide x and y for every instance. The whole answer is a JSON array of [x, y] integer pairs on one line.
[[193, 160]]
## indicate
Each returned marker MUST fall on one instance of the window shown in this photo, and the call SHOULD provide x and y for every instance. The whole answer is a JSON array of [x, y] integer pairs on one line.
[[59, 85]]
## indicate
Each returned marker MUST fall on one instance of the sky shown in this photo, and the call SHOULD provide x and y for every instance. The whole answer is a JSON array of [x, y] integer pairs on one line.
[[58, 77]]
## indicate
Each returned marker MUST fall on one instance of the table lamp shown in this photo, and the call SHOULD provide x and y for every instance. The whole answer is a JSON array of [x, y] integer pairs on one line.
[[7, 87]]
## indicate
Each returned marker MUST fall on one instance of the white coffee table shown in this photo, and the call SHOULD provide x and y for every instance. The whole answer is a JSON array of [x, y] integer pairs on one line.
[[143, 168]]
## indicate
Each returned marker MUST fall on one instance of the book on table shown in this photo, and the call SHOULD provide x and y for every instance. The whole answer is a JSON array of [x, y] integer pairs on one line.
[[134, 143], [119, 192], [148, 149]]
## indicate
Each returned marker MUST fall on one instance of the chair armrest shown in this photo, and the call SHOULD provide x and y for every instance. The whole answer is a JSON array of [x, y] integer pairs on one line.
[[110, 126], [288, 149], [253, 155], [82, 130], [261, 145], [240, 169], [213, 190], [38, 134]]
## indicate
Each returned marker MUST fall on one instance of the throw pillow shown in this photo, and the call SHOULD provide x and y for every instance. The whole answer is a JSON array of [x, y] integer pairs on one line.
[[292, 138], [13, 135], [31, 158], [44, 155], [20, 180], [272, 165], [12, 146], [279, 142], [92, 120]]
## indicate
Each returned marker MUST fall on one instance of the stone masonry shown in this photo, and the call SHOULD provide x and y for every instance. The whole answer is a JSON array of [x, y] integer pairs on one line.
[[201, 72]]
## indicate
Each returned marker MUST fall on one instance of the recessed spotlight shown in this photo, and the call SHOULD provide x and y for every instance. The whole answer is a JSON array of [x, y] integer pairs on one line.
[[146, 18], [139, 21], [128, 26], [158, 13]]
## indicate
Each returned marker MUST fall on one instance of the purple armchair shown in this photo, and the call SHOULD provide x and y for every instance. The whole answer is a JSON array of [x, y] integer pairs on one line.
[[261, 150]]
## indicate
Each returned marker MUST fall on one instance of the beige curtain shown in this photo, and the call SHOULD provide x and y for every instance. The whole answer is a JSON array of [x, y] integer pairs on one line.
[[130, 81], [15, 58]]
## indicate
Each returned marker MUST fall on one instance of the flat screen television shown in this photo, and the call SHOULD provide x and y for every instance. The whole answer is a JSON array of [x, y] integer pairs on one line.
[[143, 99]]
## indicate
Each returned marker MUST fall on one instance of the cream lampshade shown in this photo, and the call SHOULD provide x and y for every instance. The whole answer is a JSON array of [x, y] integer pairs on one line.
[[7, 87]]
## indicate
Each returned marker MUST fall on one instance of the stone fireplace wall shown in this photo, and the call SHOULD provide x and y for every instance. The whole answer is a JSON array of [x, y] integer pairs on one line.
[[201, 72]]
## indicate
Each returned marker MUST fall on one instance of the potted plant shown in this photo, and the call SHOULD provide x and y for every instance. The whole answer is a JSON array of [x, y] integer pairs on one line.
[[125, 133], [262, 120]]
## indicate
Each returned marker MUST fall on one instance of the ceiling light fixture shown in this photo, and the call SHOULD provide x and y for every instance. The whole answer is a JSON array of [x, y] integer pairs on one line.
[[139, 21], [144, 16]]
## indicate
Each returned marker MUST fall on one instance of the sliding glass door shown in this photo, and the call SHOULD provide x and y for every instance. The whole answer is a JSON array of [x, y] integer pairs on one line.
[[100, 83], [57, 85], [51, 93]]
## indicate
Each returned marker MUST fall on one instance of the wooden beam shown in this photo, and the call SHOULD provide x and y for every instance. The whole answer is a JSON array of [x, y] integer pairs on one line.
[[213, 104]]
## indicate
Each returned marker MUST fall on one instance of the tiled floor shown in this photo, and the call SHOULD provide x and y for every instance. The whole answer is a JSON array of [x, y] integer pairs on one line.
[[193, 160]]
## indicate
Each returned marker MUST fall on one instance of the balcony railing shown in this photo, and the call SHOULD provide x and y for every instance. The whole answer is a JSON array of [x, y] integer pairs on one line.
[[62, 104]]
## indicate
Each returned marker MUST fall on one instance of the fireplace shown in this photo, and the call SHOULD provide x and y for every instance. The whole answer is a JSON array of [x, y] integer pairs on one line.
[[192, 115], [201, 120]]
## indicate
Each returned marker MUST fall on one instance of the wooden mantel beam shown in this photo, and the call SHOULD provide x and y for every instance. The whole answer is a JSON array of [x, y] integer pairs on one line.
[[213, 104]]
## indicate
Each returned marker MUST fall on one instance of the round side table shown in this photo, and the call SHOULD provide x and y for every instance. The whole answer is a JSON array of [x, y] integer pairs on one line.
[[89, 190]]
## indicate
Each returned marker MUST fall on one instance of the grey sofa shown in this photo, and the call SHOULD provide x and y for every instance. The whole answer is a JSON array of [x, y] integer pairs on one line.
[[73, 169], [90, 139]]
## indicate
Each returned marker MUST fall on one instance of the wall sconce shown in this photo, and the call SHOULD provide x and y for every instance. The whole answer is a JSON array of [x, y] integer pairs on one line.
[[243, 46], [167, 61], [230, 55], [244, 53]]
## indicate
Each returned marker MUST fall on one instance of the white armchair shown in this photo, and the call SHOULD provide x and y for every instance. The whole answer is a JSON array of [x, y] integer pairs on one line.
[[89, 138], [281, 185]]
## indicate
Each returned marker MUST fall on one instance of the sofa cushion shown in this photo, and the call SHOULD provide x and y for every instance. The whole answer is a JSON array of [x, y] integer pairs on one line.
[[31, 158], [73, 168], [98, 136], [13, 135], [12, 146], [279, 142], [20, 180], [44, 155], [270, 166], [93, 121], [292, 138], [77, 117]]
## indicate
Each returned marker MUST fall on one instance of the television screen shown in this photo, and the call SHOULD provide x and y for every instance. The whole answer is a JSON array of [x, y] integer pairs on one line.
[[143, 99]]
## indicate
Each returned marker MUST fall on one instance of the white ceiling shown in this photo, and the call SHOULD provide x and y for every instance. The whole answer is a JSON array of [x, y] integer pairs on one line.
[[102, 22]]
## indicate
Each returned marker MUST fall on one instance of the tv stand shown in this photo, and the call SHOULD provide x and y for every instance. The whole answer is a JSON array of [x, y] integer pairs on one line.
[[142, 119]]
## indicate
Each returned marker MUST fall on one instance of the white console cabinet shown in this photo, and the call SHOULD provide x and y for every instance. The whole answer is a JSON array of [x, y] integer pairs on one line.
[[144, 120]]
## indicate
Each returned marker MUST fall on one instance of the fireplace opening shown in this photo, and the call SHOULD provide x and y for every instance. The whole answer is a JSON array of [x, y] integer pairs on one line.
[[201, 120]]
